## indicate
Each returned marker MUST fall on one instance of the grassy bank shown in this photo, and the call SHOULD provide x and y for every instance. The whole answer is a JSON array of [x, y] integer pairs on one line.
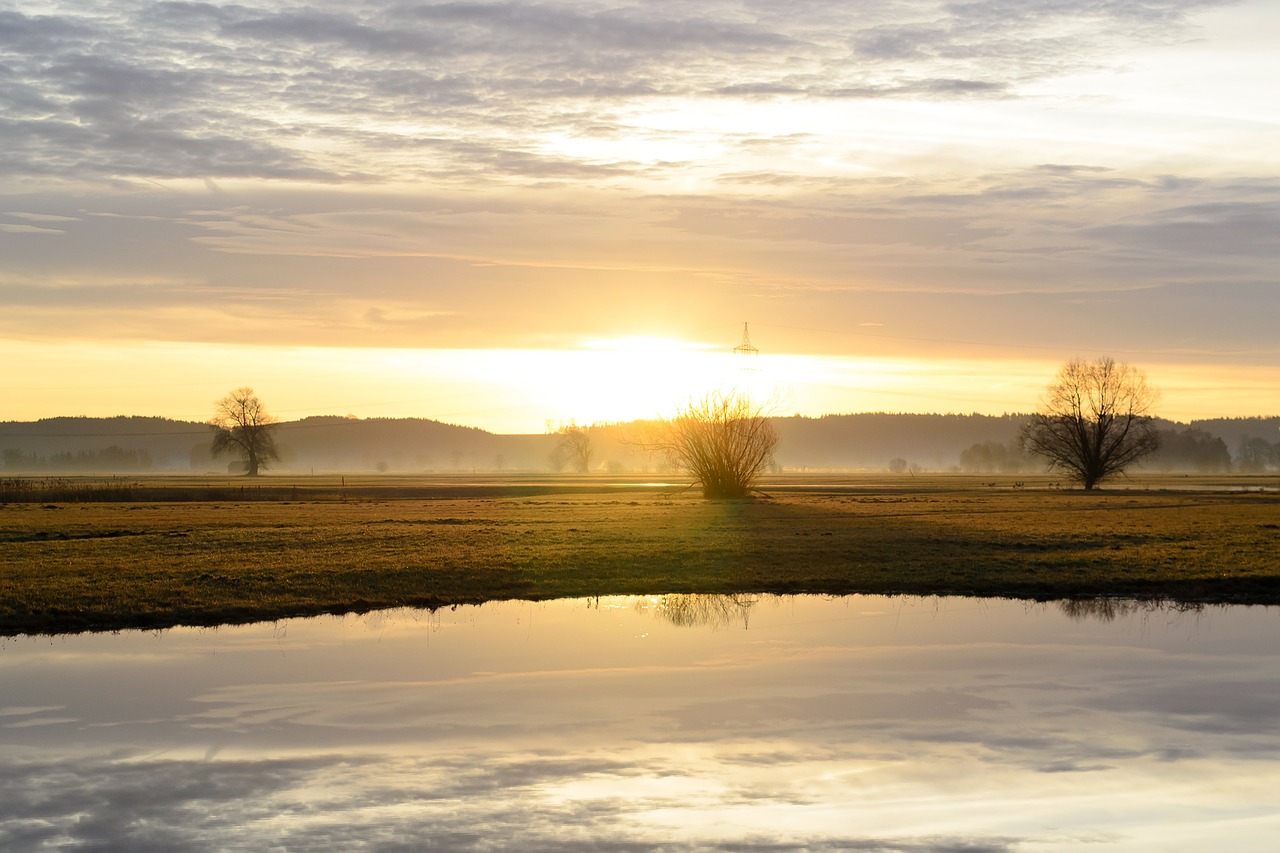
[[69, 566]]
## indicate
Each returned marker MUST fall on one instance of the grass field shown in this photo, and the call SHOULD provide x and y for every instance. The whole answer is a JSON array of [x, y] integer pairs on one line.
[[165, 552]]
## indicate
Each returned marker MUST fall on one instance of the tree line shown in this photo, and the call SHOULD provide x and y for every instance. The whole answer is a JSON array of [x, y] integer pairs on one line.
[[1180, 450], [1096, 421], [111, 459]]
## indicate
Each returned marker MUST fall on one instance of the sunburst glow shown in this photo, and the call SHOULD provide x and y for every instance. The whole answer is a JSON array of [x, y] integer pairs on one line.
[[565, 213]]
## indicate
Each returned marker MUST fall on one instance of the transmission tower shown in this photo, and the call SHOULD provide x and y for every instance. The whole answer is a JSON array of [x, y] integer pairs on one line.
[[745, 351]]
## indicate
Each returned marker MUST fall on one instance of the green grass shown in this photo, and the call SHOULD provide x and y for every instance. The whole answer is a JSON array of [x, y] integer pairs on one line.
[[70, 566]]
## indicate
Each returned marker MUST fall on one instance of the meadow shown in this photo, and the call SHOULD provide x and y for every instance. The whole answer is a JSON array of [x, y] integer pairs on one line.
[[84, 554]]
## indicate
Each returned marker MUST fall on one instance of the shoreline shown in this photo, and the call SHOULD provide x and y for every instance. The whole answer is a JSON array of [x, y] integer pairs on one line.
[[151, 564]]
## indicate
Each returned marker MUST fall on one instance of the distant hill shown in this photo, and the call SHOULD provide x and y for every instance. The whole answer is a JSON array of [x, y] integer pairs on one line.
[[869, 441], [404, 444], [137, 444], [99, 444], [835, 442], [879, 441], [1235, 430], [873, 440]]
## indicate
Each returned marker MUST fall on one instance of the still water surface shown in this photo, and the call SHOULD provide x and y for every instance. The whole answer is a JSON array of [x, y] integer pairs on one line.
[[678, 722]]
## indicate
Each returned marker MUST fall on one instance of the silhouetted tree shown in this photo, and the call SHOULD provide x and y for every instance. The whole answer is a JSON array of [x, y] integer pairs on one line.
[[991, 456], [1191, 450], [240, 422], [724, 440], [575, 447], [1095, 421], [1255, 455]]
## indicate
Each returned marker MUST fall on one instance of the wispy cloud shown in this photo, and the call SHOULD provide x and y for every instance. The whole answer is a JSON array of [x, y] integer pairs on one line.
[[998, 251], [445, 801], [496, 174], [339, 91]]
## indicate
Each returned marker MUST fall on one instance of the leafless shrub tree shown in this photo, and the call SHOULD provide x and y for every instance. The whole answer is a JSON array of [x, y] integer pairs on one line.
[[240, 423], [1095, 421], [723, 439]]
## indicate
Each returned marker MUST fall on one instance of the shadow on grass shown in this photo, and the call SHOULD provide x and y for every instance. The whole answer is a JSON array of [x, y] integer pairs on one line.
[[269, 565], [839, 548]]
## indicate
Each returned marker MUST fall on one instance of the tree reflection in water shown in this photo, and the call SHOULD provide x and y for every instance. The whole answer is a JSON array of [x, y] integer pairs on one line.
[[700, 610], [715, 611], [1110, 609]]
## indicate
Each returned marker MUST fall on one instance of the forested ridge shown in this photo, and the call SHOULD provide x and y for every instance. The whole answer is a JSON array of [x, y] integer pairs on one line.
[[876, 441]]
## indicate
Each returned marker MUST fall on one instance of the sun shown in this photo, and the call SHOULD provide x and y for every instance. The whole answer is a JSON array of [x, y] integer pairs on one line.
[[637, 377]]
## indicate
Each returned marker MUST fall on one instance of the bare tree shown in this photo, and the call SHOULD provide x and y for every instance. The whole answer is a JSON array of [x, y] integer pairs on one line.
[[1095, 421], [240, 422], [575, 447], [724, 440]]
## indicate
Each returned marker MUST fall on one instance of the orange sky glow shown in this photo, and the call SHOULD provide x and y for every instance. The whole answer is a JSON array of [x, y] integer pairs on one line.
[[515, 215]]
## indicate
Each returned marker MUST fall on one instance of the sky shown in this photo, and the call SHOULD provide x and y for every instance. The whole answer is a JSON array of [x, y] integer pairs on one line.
[[517, 214]]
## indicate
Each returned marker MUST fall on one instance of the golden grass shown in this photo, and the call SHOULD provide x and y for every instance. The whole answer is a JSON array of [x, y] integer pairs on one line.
[[77, 566]]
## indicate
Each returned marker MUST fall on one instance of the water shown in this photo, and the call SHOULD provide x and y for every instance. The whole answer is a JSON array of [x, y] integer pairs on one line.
[[681, 722]]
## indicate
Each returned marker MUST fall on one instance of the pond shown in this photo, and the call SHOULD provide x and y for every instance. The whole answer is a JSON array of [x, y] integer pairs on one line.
[[655, 723]]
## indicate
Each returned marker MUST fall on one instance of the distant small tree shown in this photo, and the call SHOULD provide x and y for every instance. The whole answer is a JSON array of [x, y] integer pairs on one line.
[[724, 440], [1095, 421], [987, 456], [897, 465], [1191, 450], [240, 423], [575, 447], [1255, 455]]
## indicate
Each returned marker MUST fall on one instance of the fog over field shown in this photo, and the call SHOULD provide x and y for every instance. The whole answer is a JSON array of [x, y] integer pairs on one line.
[[938, 443]]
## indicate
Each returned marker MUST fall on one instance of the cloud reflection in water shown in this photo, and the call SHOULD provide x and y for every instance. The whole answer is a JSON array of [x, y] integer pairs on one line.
[[859, 723]]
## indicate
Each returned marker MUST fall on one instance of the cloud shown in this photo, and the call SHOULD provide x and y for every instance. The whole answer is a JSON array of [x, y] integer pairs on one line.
[[993, 255], [1223, 230], [329, 803], [1218, 706], [353, 92], [10, 228], [532, 173], [41, 217]]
